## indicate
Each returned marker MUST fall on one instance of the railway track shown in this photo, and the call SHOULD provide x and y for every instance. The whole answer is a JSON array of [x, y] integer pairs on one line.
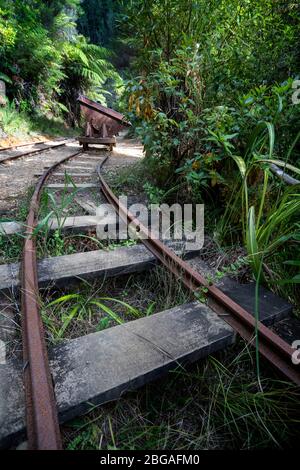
[[271, 346], [21, 163], [42, 418], [26, 144], [15, 156], [42, 422]]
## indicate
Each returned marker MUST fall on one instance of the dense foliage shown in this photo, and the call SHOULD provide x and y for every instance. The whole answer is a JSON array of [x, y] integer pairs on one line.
[[45, 62], [212, 88], [98, 21], [212, 101]]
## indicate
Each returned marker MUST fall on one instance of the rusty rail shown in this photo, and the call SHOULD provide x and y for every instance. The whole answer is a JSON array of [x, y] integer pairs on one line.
[[41, 409], [33, 152], [26, 144], [271, 346], [41, 412]]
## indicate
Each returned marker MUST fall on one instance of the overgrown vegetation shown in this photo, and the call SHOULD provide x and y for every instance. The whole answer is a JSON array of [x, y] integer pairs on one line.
[[215, 405], [212, 90], [52, 237], [95, 306], [46, 64], [213, 104]]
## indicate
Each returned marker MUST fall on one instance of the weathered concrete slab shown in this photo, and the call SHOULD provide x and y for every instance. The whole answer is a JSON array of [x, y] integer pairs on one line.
[[73, 224], [80, 164], [105, 219], [12, 413], [89, 206], [82, 167], [69, 173], [82, 161], [100, 263], [95, 158], [78, 223], [102, 223], [9, 228], [74, 167], [8, 325], [101, 367], [72, 186], [288, 329], [272, 308]]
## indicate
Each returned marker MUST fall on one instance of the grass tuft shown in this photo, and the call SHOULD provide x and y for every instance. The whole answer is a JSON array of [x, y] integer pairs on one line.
[[217, 404]]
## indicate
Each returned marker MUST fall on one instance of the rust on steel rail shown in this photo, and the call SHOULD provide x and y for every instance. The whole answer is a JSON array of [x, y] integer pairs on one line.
[[26, 144], [271, 346], [41, 412], [24, 154]]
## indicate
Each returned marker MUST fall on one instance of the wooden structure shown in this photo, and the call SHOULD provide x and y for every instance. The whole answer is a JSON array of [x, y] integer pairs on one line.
[[102, 124]]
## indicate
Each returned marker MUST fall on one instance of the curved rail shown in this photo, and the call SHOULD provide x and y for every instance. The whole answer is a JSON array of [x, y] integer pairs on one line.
[[271, 346], [41, 413], [33, 152], [41, 410]]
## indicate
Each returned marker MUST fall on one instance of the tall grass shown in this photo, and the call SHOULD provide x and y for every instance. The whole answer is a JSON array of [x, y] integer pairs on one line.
[[12, 122], [280, 226], [59, 314], [268, 213], [216, 404]]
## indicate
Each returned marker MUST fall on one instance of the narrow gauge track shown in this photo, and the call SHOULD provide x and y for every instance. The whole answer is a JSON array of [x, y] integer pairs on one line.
[[46, 147], [26, 144], [271, 346], [41, 412]]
